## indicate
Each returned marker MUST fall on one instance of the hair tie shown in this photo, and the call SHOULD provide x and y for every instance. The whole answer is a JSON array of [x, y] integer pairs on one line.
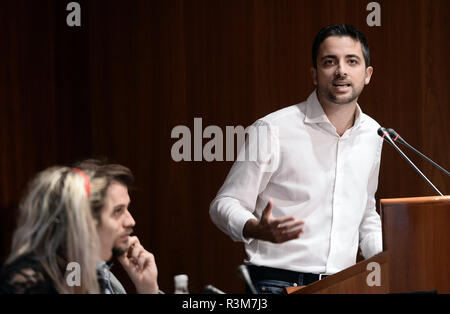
[[87, 182]]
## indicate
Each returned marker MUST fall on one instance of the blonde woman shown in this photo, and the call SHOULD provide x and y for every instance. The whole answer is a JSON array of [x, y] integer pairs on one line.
[[56, 227]]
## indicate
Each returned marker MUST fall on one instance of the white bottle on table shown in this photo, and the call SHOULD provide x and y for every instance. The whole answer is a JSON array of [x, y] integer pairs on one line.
[[181, 284]]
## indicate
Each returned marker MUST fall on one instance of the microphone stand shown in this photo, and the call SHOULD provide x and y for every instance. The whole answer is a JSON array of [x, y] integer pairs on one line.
[[396, 137], [384, 134]]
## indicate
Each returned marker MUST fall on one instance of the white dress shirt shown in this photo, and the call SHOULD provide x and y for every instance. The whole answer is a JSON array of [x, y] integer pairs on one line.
[[327, 180]]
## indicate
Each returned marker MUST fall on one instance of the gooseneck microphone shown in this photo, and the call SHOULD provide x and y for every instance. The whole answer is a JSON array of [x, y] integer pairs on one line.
[[385, 135], [210, 289], [244, 274], [397, 138]]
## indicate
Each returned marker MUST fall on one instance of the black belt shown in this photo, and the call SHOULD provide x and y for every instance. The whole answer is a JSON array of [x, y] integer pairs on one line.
[[268, 273]]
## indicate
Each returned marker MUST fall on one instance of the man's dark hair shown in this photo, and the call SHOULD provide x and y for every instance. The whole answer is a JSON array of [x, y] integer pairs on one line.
[[111, 172], [340, 30]]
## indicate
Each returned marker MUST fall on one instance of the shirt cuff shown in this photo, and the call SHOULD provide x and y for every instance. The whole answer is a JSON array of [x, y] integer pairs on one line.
[[372, 244], [236, 225]]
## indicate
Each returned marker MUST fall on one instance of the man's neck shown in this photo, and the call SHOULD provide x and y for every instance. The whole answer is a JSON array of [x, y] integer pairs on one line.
[[342, 116]]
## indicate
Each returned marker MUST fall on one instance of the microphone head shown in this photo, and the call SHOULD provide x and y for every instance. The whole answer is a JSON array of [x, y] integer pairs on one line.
[[392, 133], [381, 131], [210, 289], [243, 273], [396, 137], [242, 270]]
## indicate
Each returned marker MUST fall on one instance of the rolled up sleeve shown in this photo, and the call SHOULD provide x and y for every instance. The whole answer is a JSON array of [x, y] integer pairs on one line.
[[370, 233], [235, 202]]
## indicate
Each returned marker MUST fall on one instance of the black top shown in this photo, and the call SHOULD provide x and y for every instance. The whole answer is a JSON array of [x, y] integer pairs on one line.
[[25, 275]]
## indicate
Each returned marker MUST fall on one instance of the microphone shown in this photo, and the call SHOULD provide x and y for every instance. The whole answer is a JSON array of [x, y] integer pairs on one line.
[[397, 138], [385, 135], [210, 289], [244, 274]]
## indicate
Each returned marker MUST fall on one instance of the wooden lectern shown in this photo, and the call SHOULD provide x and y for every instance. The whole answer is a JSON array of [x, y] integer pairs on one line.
[[415, 257]]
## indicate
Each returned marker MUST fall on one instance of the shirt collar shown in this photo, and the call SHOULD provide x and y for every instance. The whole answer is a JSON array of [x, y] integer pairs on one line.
[[315, 113], [103, 265]]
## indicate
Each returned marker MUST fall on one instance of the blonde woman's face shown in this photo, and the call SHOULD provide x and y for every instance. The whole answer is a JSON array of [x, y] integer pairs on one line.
[[116, 223]]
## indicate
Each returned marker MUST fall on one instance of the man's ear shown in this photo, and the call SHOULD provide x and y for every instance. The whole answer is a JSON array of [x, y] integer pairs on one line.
[[369, 72], [314, 75]]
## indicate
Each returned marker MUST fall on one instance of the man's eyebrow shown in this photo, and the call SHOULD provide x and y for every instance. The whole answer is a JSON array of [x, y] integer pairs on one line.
[[335, 57], [328, 57], [353, 56], [121, 205]]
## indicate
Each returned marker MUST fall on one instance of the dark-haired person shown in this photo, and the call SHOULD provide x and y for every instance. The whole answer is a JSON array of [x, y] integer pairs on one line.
[[305, 206], [115, 228]]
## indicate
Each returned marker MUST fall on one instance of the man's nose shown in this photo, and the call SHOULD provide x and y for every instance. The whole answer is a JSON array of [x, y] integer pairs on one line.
[[341, 70], [129, 220]]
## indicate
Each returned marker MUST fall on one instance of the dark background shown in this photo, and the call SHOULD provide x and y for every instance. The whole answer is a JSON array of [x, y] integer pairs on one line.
[[116, 86]]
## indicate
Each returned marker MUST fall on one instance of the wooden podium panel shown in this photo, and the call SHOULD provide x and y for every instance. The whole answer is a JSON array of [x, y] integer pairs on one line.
[[415, 257], [350, 280], [416, 233]]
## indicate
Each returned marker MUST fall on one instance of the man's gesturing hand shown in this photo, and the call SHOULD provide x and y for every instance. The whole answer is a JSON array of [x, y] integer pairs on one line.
[[141, 267], [273, 230]]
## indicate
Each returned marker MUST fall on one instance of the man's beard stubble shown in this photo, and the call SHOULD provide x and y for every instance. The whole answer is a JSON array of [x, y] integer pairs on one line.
[[326, 92], [116, 252]]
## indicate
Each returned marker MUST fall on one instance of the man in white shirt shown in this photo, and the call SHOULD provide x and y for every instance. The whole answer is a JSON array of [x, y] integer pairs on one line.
[[303, 209]]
